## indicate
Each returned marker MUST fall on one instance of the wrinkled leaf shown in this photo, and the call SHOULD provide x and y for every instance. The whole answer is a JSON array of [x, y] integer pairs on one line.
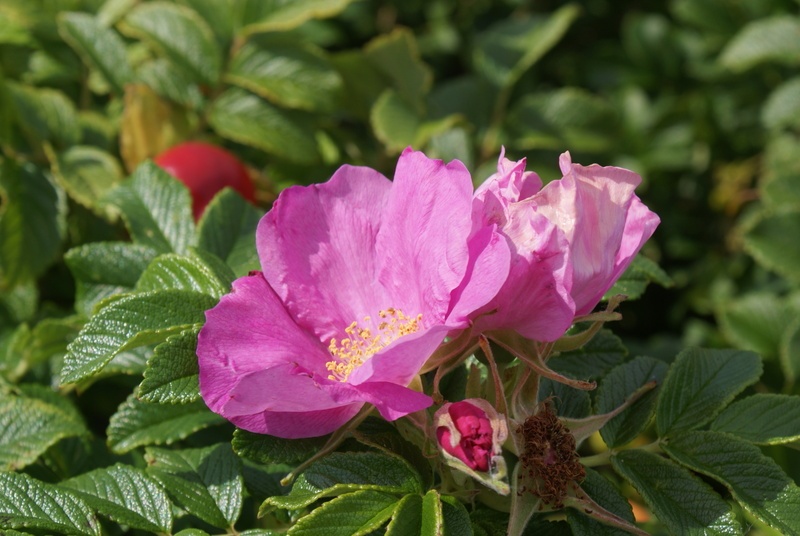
[[700, 383], [755, 481], [172, 372], [207, 481], [139, 423], [125, 495], [131, 321], [683, 502]]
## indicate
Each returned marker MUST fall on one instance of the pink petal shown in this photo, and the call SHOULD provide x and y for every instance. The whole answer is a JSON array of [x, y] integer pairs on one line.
[[510, 184], [535, 299], [393, 401], [282, 388], [422, 243], [487, 271], [293, 425], [591, 206], [400, 361], [317, 249], [249, 330]]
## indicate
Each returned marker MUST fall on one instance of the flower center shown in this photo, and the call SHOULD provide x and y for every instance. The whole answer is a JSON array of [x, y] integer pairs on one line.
[[361, 343]]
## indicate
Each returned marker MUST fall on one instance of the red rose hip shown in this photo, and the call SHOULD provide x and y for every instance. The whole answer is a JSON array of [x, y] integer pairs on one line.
[[206, 169]]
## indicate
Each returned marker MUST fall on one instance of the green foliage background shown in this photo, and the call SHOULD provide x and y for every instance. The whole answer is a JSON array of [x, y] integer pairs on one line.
[[701, 97]]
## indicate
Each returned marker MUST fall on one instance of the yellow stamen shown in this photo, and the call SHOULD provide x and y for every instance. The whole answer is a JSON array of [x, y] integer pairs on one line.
[[360, 344]]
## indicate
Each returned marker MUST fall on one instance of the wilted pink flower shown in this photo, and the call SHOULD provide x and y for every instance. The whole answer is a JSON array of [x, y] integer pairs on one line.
[[470, 434], [570, 242], [362, 279]]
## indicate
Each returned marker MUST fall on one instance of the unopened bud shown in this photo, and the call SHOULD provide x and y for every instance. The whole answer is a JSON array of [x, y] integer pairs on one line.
[[470, 434]]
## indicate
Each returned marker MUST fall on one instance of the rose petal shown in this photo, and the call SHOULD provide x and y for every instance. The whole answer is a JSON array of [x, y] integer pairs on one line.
[[490, 262], [249, 330], [294, 425], [535, 299], [591, 206], [422, 243], [317, 249]]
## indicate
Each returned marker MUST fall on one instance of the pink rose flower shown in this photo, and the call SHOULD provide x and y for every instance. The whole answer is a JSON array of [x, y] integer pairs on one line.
[[362, 279], [570, 241]]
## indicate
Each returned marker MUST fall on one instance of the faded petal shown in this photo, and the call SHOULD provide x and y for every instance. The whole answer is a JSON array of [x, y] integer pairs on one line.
[[422, 244], [317, 249], [603, 220]]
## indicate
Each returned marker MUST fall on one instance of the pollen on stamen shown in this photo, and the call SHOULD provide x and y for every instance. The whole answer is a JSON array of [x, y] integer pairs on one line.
[[360, 344]]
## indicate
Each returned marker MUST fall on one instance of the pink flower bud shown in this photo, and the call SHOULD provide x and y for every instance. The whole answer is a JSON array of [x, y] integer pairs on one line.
[[474, 446]]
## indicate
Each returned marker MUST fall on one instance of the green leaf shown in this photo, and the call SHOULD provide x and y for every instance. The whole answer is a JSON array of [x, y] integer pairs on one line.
[[28, 427], [87, 174], [782, 107], [606, 495], [271, 15], [32, 223], [394, 121], [200, 272], [48, 339], [593, 360], [19, 303], [181, 35], [638, 275], [103, 269], [407, 518], [131, 321], [700, 383], [287, 72], [381, 435], [766, 419], [568, 402], [28, 503], [432, 522], [780, 189], [172, 372], [266, 449], [170, 82], [100, 47], [616, 387], [126, 495], [139, 423], [245, 118], [755, 322], [363, 82], [156, 208], [755, 481], [774, 39], [227, 229], [45, 115], [219, 16], [360, 512], [770, 240], [343, 472], [567, 117], [680, 500], [510, 47], [789, 352], [397, 57], [455, 518], [207, 482]]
